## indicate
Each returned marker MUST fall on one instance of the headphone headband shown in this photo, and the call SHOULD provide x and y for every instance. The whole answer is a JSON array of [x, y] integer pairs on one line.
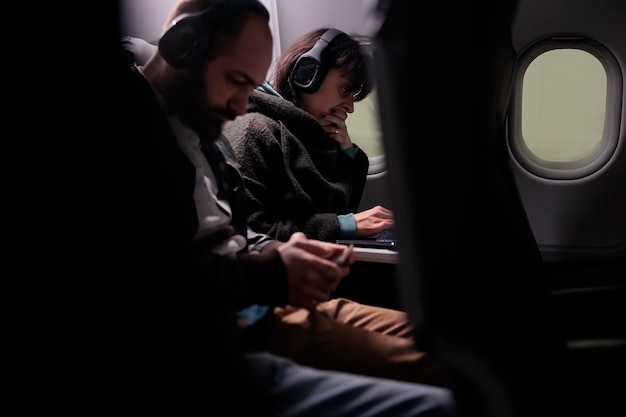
[[187, 39]]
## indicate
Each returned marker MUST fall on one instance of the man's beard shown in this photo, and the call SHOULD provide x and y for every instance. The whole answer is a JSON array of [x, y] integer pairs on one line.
[[188, 101]]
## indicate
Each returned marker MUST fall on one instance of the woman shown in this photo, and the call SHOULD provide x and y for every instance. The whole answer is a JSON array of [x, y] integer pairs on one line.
[[301, 169], [303, 174]]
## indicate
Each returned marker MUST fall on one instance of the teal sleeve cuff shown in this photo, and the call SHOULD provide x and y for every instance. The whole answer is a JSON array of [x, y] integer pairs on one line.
[[266, 87], [351, 152], [347, 226]]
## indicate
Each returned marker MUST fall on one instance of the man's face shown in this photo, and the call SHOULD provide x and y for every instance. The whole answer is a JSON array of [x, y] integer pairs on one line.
[[229, 79], [218, 90]]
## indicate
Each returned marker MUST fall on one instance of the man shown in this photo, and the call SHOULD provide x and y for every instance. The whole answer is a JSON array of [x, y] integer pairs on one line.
[[199, 262]]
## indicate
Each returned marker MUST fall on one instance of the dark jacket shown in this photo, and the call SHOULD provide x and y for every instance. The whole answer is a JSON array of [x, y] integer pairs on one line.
[[179, 344], [296, 177]]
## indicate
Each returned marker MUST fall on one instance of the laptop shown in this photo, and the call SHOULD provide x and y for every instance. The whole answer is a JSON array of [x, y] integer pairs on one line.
[[386, 239]]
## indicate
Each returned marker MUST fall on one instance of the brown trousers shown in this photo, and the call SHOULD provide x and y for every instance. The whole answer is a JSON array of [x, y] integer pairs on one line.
[[344, 335]]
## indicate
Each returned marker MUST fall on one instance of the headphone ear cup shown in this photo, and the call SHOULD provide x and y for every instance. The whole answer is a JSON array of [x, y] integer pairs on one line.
[[184, 44], [306, 75], [309, 70]]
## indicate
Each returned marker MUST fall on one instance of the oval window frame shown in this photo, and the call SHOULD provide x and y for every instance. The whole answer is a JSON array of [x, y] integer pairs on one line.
[[598, 158]]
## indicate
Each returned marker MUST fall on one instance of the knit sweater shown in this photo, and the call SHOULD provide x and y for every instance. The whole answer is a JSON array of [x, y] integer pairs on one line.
[[296, 177]]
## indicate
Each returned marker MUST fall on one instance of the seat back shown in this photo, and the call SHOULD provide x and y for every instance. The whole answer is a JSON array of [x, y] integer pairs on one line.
[[470, 271]]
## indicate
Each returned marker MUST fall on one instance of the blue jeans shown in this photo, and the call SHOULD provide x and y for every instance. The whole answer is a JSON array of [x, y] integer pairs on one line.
[[304, 391]]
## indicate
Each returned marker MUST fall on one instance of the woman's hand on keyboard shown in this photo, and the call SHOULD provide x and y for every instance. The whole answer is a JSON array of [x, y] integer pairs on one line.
[[372, 221]]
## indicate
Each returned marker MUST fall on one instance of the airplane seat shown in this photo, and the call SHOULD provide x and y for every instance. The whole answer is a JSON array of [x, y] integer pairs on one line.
[[470, 273]]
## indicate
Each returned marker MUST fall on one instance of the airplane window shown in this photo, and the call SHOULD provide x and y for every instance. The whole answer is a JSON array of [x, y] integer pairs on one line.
[[565, 111], [563, 104]]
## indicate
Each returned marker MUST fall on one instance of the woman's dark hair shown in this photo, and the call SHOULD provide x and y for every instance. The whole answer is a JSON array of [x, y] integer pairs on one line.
[[344, 52]]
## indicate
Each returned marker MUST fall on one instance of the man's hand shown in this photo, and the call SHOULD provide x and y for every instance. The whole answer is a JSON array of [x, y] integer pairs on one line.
[[312, 275]]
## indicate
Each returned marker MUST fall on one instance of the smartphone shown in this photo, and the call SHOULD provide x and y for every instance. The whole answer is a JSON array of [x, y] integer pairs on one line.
[[343, 256]]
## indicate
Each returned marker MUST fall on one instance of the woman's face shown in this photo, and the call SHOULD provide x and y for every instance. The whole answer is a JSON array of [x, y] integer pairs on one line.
[[332, 97]]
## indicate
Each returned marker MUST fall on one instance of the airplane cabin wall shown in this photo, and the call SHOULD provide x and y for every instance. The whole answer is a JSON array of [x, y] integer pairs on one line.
[[144, 18], [581, 218]]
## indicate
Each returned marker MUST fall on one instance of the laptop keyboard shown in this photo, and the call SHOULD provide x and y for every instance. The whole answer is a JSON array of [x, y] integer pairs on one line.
[[387, 235], [386, 239]]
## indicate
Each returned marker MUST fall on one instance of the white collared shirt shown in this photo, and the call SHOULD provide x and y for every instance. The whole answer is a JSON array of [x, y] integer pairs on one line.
[[212, 212]]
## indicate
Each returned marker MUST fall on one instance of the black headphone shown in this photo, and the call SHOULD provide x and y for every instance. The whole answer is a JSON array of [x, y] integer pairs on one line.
[[186, 41], [309, 71]]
